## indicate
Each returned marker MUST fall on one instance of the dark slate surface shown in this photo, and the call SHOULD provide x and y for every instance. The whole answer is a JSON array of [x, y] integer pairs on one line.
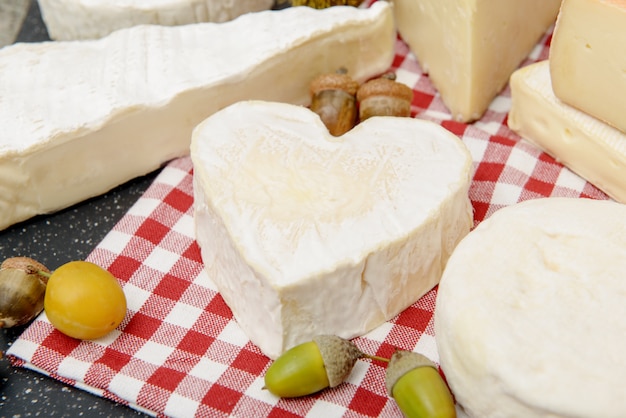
[[53, 240]]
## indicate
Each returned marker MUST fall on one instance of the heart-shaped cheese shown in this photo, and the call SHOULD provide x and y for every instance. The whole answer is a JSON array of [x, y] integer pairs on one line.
[[305, 233]]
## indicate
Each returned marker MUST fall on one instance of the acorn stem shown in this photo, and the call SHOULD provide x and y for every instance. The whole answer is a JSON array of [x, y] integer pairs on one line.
[[383, 359], [43, 273]]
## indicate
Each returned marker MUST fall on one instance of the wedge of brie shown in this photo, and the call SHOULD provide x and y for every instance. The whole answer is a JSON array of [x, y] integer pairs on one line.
[[90, 19], [79, 118], [305, 233]]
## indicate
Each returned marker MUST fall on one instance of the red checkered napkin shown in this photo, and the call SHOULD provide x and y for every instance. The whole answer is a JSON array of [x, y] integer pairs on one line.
[[179, 351]]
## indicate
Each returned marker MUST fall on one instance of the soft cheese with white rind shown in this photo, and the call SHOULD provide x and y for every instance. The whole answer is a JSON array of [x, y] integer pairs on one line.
[[305, 233], [79, 118], [588, 58], [586, 145], [91, 19], [469, 48], [529, 318]]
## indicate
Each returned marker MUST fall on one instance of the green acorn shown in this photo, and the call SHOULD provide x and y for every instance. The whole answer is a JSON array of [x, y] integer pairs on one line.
[[324, 362], [417, 387]]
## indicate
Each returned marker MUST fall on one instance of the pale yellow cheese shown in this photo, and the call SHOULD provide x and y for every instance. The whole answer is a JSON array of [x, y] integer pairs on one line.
[[470, 47], [589, 147], [588, 58]]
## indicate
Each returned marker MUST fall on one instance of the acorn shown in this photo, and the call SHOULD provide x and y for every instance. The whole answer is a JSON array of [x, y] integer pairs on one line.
[[333, 98], [417, 387], [307, 368], [384, 96], [22, 289]]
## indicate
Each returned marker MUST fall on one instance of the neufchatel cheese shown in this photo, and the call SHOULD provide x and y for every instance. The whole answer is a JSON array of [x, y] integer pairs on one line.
[[305, 233]]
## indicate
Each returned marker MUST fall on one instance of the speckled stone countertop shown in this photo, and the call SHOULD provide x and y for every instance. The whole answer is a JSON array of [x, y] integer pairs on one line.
[[55, 239]]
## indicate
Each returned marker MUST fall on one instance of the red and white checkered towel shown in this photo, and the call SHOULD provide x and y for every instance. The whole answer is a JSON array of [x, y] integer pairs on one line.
[[179, 352]]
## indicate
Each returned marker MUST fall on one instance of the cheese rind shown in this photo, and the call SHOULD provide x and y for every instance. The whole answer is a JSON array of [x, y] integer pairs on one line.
[[68, 20], [587, 59], [82, 117], [529, 317], [305, 233], [587, 146], [469, 48]]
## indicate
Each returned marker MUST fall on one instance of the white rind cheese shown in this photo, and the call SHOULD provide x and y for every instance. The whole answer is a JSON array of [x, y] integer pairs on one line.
[[305, 233], [588, 59], [469, 48], [587, 146], [91, 19], [79, 118], [529, 319]]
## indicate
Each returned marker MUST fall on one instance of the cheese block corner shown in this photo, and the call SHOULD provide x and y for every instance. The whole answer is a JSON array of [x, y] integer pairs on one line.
[[68, 20], [587, 146], [304, 233], [529, 316], [587, 59], [81, 117], [469, 48]]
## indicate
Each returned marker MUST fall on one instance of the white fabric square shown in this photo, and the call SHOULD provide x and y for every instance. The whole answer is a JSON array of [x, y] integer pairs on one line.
[[506, 194], [154, 353], [522, 161], [571, 180], [427, 346], [73, 368], [144, 207], [161, 260], [126, 387], [135, 296], [491, 127], [409, 78], [185, 226], [325, 409], [172, 176], [207, 369], [256, 391], [233, 334], [183, 315], [380, 332], [115, 241], [180, 406], [477, 147], [25, 348]]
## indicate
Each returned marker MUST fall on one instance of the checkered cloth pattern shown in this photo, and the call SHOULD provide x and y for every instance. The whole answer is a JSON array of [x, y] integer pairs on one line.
[[180, 353]]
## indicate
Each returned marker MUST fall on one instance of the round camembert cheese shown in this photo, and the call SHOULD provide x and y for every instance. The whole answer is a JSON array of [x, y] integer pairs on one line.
[[530, 318], [305, 233]]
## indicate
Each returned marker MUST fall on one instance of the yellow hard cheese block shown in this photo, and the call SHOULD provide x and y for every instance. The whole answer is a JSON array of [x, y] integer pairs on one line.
[[588, 58], [592, 149], [471, 47]]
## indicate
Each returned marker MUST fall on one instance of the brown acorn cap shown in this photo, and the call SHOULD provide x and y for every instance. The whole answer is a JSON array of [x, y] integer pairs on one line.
[[339, 80], [27, 265], [339, 356], [403, 362], [384, 86]]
